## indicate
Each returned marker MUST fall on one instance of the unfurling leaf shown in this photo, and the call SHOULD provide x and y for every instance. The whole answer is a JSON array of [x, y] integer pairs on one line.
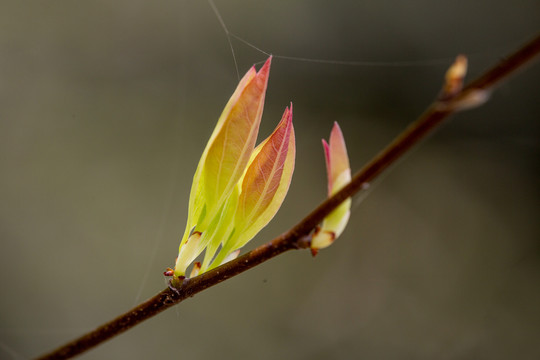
[[263, 186], [237, 189], [339, 175]]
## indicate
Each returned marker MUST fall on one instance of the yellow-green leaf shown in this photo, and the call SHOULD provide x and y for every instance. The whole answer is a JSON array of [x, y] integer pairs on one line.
[[224, 160], [265, 183]]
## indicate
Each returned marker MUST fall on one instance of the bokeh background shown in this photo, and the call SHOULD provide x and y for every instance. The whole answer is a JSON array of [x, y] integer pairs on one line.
[[106, 106]]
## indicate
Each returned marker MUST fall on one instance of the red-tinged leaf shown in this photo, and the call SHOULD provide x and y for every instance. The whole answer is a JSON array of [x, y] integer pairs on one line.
[[231, 148], [265, 182], [197, 198], [339, 174], [227, 153], [337, 160]]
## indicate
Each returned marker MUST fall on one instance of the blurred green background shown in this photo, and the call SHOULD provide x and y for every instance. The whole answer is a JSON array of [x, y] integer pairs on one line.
[[106, 106]]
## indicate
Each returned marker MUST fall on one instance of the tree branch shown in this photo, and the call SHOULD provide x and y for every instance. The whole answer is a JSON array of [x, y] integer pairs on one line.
[[451, 100]]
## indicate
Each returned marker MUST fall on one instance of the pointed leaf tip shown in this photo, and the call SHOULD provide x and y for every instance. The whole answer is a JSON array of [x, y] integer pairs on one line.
[[264, 71]]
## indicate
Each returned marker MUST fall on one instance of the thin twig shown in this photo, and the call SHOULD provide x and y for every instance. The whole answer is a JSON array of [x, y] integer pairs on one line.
[[298, 237]]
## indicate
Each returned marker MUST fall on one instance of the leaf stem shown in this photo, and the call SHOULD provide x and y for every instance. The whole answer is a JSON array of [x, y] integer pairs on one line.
[[298, 237]]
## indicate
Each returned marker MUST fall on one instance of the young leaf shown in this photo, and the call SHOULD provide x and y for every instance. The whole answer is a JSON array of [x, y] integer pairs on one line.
[[197, 199], [339, 175], [231, 149], [264, 185], [224, 160]]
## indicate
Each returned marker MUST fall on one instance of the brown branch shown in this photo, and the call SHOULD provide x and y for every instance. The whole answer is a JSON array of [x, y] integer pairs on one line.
[[449, 102]]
